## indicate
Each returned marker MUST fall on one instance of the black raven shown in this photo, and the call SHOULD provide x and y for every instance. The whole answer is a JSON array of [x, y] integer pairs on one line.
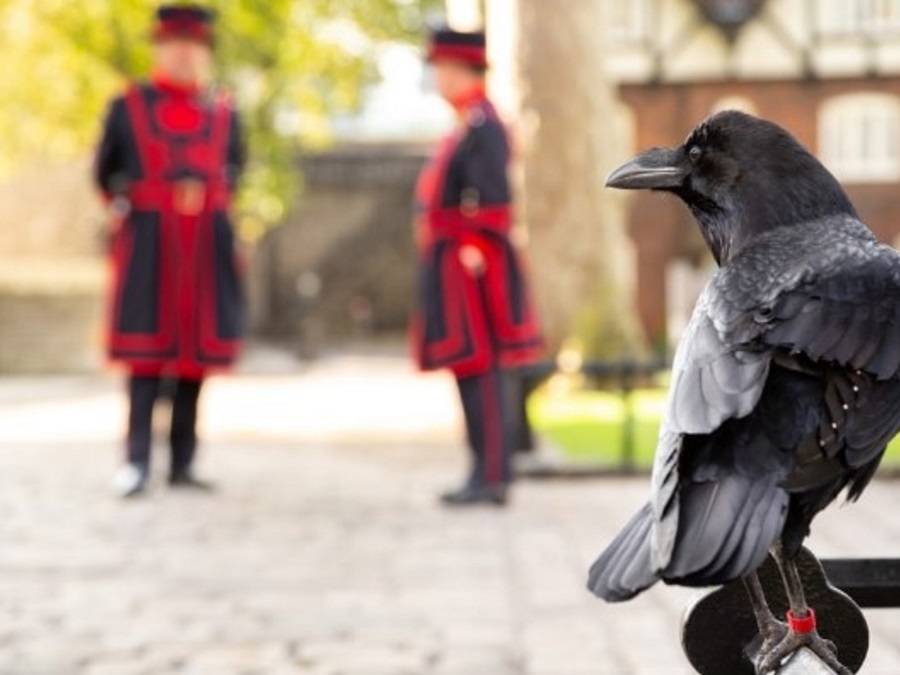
[[786, 385]]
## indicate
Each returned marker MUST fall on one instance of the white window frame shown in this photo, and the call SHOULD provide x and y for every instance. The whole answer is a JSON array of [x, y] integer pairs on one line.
[[852, 18], [626, 22], [859, 137]]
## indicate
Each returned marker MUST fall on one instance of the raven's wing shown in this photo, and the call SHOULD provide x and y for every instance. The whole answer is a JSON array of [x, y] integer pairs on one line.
[[844, 316], [712, 381], [838, 302]]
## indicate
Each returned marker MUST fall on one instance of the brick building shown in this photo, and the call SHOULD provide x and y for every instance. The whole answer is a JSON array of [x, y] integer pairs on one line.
[[827, 70]]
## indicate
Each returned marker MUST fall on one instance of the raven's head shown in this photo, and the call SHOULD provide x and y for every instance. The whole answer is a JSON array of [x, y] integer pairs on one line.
[[740, 176]]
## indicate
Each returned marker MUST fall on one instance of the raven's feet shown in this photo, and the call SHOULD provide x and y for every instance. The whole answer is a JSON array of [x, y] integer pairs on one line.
[[774, 651], [772, 633]]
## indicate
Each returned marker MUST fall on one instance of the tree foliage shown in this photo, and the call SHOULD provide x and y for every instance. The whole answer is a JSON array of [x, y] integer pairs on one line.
[[290, 63]]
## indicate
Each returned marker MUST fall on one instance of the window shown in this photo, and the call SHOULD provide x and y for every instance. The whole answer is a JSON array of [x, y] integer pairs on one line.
[[856, 17], [626, 21], [859, 137]]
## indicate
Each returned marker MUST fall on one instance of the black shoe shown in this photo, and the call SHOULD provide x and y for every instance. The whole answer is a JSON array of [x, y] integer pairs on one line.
[[472, 495], [186, 480]]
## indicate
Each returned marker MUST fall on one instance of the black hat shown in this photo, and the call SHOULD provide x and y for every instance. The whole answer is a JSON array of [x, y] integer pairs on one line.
[[450, 45], [186, 21]]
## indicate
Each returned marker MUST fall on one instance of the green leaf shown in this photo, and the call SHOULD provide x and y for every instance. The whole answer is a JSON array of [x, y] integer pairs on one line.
[[290, 64]]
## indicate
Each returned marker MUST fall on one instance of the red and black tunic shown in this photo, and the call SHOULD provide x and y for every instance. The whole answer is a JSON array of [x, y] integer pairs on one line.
[[174, 155], [466, 322]]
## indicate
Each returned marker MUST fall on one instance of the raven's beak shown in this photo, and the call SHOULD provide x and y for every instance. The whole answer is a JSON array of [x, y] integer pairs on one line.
[[655, 169]]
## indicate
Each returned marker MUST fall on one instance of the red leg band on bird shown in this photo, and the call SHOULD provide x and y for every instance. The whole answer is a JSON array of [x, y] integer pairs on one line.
[[803, 624]]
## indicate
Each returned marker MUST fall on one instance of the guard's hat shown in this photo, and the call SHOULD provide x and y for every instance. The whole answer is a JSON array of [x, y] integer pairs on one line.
[[450, 45], [185, 21]]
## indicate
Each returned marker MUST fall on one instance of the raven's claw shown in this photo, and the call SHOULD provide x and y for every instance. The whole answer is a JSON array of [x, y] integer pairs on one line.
[[772, 654]]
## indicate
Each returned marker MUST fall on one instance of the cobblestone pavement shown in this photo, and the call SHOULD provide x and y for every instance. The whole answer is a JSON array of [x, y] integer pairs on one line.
[[324, 551]]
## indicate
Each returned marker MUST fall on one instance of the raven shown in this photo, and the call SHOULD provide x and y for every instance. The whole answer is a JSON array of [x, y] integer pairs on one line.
[[786, 385]]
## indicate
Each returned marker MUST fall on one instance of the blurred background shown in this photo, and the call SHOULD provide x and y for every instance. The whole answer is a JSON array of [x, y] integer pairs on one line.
[[341, 115]]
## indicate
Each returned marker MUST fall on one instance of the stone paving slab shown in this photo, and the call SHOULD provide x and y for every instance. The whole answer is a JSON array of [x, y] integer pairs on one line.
[[325, 555]]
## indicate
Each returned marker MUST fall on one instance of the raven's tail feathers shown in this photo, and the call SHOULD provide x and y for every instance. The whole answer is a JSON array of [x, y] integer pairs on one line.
[[625, 568]]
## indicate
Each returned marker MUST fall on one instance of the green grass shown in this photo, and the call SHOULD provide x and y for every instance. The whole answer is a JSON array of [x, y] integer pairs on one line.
[[588, 425]]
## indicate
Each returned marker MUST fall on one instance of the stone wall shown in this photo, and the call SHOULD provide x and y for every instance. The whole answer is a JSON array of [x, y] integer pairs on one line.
[[342, 264], [51, 316], [52, 271]]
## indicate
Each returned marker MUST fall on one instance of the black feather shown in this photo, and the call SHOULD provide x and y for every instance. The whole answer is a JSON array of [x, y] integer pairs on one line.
[[786, 386], [625, 569]]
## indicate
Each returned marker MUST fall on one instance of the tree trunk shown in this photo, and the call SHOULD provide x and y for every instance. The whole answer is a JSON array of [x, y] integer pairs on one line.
[[581, 259]]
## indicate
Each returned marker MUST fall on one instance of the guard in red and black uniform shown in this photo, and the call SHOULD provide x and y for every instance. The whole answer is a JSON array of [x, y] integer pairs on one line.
[[474, 315], [167, 164]]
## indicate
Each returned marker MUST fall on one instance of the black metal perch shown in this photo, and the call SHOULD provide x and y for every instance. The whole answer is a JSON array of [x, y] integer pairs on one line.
[[719, 630]]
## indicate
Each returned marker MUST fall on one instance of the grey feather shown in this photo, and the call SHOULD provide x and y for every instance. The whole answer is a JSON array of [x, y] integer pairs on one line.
[[624, 569]]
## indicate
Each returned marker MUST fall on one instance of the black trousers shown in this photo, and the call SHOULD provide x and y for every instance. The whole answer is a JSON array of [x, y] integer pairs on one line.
[[520, 387], [143, 391], [490, 426]]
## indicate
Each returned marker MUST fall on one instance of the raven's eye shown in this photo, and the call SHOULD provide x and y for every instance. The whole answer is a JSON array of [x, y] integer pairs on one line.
[[694, 153]]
